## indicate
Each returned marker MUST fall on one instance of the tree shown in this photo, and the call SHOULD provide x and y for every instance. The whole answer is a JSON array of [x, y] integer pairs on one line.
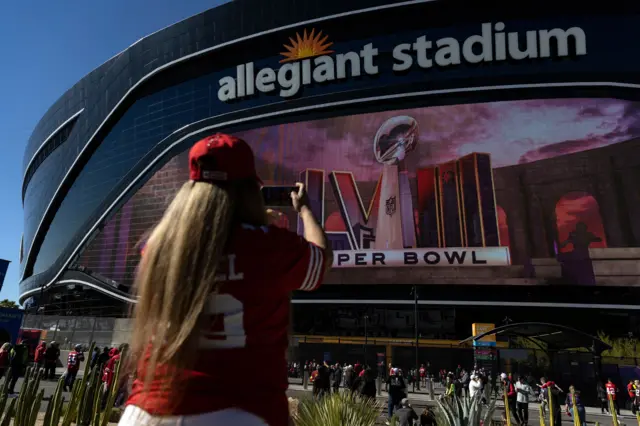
[[6, 303], [621, 347]]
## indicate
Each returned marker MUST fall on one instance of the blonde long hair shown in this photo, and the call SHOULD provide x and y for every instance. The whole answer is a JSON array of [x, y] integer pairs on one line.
[[177, 272]]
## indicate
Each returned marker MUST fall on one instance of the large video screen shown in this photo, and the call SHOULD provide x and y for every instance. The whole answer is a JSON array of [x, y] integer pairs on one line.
[[523, 192]]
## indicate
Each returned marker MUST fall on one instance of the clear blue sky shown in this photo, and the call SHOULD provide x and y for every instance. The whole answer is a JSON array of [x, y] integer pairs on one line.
[[47, 46]]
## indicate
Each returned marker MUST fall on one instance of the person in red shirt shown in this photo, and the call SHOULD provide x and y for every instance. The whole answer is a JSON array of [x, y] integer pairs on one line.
[[631, 391], [612, 391], [38, 357], [5, 351], [76, 356], [509, 388], [357, 368], [213, 291], [108, 374], [109, 368]]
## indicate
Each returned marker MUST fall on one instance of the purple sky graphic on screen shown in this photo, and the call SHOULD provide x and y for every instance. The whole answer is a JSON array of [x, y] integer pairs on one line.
[[512, 133]]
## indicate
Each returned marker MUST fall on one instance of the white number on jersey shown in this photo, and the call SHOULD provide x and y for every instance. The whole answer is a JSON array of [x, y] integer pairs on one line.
[[225, 330]]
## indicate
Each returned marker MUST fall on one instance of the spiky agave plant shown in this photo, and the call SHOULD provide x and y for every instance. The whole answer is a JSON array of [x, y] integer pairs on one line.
[[338, 409], [23, 410], [464, 412]]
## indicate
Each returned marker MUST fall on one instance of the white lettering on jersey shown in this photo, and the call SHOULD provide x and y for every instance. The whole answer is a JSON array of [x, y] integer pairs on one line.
[[225, 328], [232, 274]]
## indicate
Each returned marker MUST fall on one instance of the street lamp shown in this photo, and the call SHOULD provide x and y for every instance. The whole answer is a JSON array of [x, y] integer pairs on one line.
[[366, 318], [416, 382]]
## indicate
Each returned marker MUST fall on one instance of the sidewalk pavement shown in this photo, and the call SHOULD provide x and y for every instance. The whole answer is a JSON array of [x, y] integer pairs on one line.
[[423, 399]]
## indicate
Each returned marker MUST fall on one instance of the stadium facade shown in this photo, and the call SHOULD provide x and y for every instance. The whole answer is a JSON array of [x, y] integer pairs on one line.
[[487, 156]]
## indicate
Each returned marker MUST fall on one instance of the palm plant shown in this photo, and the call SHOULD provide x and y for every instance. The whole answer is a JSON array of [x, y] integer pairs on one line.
[[337, 409], [464, 412]]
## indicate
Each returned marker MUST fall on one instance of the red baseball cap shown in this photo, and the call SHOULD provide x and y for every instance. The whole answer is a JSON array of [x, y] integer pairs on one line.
[[220, 158]]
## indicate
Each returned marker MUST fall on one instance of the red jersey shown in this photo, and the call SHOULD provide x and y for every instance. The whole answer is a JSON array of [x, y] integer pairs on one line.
[[422, 371], [39, 355], [110, 366], [249, 321], [611, 390], [73, 360]]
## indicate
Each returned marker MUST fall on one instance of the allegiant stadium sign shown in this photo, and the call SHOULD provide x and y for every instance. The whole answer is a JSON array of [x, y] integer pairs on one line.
[[309, 60]]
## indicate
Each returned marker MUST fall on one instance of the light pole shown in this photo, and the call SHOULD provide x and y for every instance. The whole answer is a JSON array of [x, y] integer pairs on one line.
[[366, 318], [416, 382]]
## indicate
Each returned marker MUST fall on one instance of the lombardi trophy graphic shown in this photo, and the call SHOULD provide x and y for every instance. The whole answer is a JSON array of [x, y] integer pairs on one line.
[[395, 228]]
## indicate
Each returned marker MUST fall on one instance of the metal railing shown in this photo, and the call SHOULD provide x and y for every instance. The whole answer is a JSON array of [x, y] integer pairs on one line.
[[69, 331]]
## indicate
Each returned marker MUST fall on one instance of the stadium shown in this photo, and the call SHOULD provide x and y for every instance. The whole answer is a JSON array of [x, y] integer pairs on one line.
[[470, 165]]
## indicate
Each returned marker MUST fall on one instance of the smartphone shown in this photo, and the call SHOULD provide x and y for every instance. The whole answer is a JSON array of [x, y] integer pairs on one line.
[[278, 195]]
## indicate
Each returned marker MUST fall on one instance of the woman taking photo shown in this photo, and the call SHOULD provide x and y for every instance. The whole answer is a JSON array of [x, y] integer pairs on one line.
[[213, 293]]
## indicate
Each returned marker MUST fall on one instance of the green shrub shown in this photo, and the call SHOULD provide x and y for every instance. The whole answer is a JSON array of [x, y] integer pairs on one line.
[[464, 412], [337, 409]]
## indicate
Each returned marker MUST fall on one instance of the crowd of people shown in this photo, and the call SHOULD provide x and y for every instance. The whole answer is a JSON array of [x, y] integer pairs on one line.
[[518, 391], [15, 358], [362, 380]]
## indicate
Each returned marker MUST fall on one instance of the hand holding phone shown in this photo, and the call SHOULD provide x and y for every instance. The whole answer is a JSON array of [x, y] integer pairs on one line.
[[278, 195], [299, 198], [285, 196]]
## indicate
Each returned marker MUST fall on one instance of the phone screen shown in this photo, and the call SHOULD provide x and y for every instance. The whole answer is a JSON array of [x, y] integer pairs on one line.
[[278, 195]]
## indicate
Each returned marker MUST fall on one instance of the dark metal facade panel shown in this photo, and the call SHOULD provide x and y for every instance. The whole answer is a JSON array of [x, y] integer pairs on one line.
[[227, 22]]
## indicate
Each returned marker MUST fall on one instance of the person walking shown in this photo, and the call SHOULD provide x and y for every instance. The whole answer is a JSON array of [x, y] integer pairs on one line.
[[602, 397], [524, 392], [465, 379], [322, 385], [38, 356], [396, 386], [337, 378], [103, 358], [475, 387], [349, 377], [406, 415], [612, 392], [365, 385], [213, 291], [575, 395], [5, 353], [549, 387], [51, 356], [75, 358], [510, 391], [93, 359], [450, 385], [635, 397], [18, 362]]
